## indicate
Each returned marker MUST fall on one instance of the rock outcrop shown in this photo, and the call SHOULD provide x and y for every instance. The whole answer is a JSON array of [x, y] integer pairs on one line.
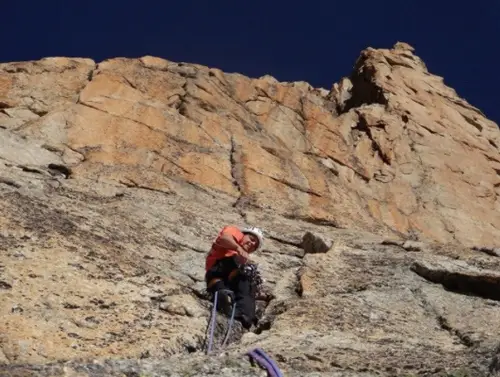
[[379, 199]]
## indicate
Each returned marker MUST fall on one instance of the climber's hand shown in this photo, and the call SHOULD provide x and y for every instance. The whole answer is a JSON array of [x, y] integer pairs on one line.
[[243, 253]]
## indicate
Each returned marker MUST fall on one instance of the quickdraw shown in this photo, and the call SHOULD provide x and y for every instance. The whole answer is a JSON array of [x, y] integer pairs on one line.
[[253, 274]]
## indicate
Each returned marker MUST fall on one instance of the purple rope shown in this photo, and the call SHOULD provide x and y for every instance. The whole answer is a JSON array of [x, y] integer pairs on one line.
[[262, 360], [212, 324], [261, 352], [230, 325]]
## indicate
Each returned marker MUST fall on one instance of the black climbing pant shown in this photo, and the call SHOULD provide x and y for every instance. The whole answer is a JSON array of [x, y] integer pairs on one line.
[[239, 284]]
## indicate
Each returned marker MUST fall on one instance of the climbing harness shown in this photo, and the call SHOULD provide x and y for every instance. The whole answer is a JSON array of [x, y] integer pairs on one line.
[[265, 361], [212, 322]]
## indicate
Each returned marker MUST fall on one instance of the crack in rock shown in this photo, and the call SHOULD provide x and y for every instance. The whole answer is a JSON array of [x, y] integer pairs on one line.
[[364, 89], [9, 182], [362, 126], [408, 245], [464, 339], [285, 242], [468, 282], [443, 322], [493, 251], [133, 184], [235, 155], [289, 184], [315, 221], [57, 169], [494, 366]]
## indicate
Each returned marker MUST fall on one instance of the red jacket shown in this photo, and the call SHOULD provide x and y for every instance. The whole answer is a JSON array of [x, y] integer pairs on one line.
[[218, 252]]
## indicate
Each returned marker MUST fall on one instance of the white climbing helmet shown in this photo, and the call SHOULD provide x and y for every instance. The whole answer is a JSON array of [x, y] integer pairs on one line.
[[257, 233]]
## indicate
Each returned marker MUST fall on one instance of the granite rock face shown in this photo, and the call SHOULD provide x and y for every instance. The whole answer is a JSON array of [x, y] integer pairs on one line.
[[379, 200], [390, 149]]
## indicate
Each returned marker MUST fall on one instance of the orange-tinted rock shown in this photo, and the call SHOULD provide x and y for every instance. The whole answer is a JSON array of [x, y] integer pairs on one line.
[[389, 147], [113, 191]]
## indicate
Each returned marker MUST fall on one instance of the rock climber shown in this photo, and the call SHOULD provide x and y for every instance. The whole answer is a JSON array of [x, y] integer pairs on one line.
[[227, 271]]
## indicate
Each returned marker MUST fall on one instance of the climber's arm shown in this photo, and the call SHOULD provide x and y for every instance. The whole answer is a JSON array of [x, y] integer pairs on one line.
[[228, 241]]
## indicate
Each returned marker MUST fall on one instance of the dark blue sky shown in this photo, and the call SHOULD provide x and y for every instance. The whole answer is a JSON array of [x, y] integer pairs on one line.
[[314, 41]]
